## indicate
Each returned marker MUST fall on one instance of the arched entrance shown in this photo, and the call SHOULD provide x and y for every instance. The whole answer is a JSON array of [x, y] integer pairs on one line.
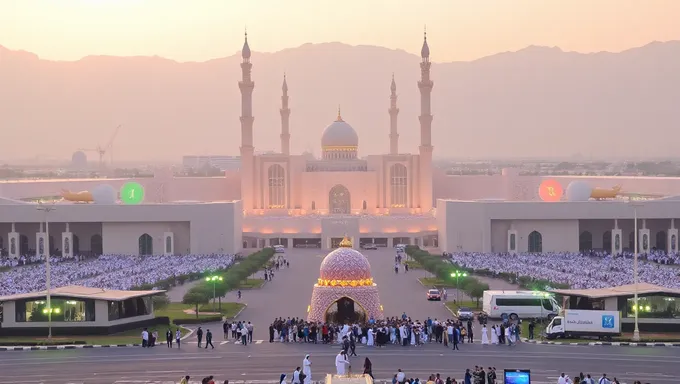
[[96, 245], [661, 240], [535, 242], [585, 241], [345, 310], [339, 202], [145, 245], [607, 241]]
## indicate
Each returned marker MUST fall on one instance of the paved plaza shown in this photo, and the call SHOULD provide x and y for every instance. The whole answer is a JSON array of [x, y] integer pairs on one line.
[[288, 295]]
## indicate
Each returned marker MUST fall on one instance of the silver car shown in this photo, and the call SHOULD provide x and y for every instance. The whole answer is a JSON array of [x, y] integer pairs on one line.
[[465, 313]]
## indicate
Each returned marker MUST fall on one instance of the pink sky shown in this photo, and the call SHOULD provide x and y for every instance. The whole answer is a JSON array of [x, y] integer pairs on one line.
[[201, 30]]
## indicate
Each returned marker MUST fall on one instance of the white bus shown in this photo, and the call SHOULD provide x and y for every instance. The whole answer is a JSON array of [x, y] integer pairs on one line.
[[279, 249], [519, 305]]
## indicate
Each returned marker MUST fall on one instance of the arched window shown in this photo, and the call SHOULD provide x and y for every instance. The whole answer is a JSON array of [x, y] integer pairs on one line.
[[585, 241], [277, 186], [631, 241], [398, 183], [661, 240], [145, 245], [535, 242], [339, 201], [313, 206], [607, 241], [363, 205], [168, 244], [96, 245]]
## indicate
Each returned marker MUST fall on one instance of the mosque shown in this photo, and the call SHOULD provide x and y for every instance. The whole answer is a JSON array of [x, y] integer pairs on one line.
[[296, 200]]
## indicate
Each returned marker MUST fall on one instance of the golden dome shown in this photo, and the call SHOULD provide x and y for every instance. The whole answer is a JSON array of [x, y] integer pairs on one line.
[[346, 243]]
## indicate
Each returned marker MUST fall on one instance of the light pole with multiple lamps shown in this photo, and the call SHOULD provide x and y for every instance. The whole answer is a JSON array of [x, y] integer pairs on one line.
[[636, 331], [457, 275], [47, 208], [214, 280]]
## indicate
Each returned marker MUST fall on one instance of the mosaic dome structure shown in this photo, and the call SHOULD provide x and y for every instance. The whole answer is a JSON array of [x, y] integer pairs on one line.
[[345, 279]]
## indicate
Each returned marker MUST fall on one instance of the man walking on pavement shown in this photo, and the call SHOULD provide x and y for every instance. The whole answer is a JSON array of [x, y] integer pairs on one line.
[[249, 327], [199, 334], [208, 339]]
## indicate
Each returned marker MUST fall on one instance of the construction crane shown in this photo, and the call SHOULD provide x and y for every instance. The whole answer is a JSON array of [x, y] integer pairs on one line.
[[103, 150]]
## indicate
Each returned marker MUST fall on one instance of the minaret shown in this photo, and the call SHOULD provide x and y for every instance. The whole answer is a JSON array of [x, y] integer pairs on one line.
[[425, 85], [285, 123], [393, 111], [246, 85]]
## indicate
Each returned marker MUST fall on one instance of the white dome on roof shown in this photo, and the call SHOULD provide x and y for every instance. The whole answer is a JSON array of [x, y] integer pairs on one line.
[[579, 191], [339, 134]]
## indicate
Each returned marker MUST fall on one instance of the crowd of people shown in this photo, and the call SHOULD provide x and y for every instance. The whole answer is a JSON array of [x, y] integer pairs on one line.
[[107, 271], [594, 271], [398, 331]]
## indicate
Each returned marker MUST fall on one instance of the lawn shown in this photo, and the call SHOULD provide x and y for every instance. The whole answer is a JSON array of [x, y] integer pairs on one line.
[[132, 336], [413, 264], [176, 310], [435, 282], [252, 284]]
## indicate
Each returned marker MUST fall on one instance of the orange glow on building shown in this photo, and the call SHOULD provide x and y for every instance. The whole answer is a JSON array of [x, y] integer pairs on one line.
[[550, 191]]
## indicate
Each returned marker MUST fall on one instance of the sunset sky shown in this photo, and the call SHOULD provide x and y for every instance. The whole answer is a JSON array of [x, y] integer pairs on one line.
[[200, 30]]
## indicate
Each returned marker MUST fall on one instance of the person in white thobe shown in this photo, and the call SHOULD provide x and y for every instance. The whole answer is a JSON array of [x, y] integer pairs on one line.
[[341, 363], [494, 335], [307, 369], [370, 342], [296, 376], [485, 335]]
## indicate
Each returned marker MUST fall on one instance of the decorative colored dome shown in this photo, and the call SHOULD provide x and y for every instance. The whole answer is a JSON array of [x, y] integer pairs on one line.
[[345, 264], [339, 134], [346, 243]]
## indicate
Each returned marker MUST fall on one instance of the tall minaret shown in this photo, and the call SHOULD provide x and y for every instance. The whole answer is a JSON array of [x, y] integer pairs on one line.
[[393, 111], [425, 85], [246, 85], [285, 115]]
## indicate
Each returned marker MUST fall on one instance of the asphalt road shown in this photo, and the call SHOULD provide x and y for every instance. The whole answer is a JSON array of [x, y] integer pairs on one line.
[[267, 361], [288, 295]]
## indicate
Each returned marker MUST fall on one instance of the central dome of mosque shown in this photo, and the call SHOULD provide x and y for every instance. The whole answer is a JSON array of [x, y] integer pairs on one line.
[[339, 134], [345, 264]]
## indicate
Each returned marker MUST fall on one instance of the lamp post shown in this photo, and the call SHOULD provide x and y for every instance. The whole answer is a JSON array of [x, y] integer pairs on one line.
[[46, 209], [214, 280], [457, 275], [636, 331]]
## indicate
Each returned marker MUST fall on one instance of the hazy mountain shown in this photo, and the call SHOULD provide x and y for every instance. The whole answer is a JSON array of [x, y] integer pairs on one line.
[[535, 102]]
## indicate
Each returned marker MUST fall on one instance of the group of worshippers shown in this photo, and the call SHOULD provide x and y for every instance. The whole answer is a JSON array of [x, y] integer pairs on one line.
[[241, 331], [402, 331], [120, 272], [278, 263], [300, 375], [595, 271]]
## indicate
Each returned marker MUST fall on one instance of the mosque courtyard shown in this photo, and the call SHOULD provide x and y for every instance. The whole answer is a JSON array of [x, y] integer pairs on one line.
[[288, 295]]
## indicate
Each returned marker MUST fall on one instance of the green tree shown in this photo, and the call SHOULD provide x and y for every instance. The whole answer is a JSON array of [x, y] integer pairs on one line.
[[475, 290], [197, 296]]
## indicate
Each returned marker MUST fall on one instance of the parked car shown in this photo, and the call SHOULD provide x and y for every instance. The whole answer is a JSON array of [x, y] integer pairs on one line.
[[369, 246], [465, 313], [434, 295]]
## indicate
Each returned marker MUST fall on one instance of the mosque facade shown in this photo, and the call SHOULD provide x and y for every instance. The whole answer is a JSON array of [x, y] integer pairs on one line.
[[338, 183]]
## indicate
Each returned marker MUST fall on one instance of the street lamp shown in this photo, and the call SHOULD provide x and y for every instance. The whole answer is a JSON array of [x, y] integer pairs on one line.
[[457, 275], [214, 280], [636, 331], [46, 209]]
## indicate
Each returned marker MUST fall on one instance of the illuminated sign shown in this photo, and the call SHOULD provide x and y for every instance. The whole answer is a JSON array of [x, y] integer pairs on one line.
[[132, 193], [550, 191]]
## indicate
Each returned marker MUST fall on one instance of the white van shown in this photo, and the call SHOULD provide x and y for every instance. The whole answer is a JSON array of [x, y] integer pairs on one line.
[[279, 249], [519, 304]]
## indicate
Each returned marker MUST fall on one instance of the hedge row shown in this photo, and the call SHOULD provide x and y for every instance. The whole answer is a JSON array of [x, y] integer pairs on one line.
[[231, 278], [441, 268]]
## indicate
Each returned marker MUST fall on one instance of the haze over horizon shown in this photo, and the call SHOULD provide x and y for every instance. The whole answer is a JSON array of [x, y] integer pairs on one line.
[[503, 88]]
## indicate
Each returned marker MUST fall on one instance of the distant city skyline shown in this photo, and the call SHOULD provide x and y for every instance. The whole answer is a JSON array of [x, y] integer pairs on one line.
[[462, 31]]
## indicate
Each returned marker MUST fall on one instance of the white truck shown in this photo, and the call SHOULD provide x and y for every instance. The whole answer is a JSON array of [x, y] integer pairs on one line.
[[574, 323]]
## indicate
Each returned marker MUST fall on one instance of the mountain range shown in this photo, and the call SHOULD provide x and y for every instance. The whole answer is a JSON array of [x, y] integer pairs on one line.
[[538, 101]]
